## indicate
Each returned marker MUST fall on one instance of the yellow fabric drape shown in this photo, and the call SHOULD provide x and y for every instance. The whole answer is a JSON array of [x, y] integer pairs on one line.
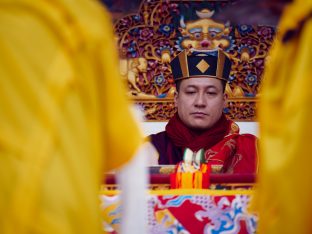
[[285, 116], [64, 119]]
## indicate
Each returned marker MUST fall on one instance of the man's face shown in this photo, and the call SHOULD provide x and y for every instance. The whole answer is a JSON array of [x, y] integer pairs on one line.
[[200, 102]]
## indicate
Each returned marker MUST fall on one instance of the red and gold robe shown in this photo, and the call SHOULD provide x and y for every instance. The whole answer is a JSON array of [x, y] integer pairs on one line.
[[227, 151]]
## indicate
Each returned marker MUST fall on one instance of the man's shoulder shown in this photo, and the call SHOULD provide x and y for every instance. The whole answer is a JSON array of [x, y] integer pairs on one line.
[[244, 136], [159, 141], [248, 136], [247, 142], [158, 136]]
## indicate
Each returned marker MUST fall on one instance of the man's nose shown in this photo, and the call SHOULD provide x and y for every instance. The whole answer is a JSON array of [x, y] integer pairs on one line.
[[200, 100]]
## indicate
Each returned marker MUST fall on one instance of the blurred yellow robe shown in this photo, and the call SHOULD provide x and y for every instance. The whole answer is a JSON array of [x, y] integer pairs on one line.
[[64, 119], [285, 114]]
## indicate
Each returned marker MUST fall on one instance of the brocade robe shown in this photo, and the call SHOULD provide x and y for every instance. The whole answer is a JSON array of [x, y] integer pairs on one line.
[[235, 153]]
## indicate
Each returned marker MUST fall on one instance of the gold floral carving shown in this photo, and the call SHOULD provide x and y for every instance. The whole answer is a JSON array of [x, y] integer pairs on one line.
[[149, 39]]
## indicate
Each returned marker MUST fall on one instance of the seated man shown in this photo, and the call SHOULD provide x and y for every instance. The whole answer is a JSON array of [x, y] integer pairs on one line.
[[199, 123]]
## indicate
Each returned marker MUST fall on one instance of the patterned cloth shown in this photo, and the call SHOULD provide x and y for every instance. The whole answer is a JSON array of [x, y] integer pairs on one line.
[[189, 211]]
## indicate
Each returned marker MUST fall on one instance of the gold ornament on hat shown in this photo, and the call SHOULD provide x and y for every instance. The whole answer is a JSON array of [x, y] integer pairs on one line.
[[202, 66]]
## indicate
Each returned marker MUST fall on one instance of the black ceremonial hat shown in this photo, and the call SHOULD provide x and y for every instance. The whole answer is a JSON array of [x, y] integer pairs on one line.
[[189, 64]]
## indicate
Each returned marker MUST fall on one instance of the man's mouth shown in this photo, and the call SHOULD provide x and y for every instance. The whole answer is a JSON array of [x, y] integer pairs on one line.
[[199, 114]]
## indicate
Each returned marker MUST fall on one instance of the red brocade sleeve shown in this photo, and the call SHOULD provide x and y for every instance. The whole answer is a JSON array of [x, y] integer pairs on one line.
[[245, 159], [234, 154]]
